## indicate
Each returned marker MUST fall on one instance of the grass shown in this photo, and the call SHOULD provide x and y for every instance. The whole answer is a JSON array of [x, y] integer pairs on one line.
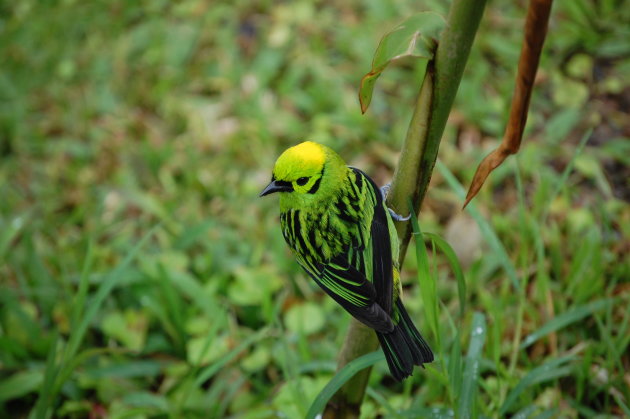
[[142, 277]]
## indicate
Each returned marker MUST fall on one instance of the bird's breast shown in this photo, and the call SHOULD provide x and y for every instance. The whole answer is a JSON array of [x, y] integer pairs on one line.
[[317, 236]]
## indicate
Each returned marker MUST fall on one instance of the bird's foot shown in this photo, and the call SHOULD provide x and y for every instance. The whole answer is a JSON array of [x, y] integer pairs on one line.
[[397, 216], [384, 191]]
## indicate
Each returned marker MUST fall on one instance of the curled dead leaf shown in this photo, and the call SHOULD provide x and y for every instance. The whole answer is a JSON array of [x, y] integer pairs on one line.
[[535, 31]]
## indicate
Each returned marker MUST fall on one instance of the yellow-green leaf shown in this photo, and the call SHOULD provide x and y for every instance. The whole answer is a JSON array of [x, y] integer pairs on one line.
[[415, 37]]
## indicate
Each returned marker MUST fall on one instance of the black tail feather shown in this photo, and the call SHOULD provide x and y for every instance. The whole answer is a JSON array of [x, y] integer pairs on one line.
[[422, 351], [404, 347]]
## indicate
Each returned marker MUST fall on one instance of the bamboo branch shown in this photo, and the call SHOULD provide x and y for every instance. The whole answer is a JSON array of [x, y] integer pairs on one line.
[[413, 173], [450, 60]]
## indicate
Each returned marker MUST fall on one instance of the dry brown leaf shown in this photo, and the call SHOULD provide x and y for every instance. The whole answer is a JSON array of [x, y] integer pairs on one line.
[[535, 31]]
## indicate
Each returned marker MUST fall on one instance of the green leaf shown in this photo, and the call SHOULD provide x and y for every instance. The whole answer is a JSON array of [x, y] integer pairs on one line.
[[258, 359], [428, 287], [129, 328], [342, 376], [292, 397], [20, 384], [448, 251], [565, 319], [130, 369], [548, 371], [201, 351], [307, 318], [146, 399], [212, 369], [471, 372], [429, 413], [415, 37], [253, 286]]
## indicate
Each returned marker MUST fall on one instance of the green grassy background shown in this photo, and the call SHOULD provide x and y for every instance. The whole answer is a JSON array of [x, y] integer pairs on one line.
[[142, 277]]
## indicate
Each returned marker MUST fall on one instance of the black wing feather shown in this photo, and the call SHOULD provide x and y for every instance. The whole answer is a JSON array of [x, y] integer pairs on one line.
[[340, 275], [382, 265]]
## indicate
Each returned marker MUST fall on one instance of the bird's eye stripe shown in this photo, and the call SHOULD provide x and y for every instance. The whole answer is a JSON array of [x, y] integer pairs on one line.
[[315, 186], [283, 183]]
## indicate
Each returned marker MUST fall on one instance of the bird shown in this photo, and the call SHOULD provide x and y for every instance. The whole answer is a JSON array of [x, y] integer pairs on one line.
[[337, 225]]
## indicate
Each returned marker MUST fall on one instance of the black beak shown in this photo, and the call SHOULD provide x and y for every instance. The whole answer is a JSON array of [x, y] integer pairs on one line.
[[276, 186]]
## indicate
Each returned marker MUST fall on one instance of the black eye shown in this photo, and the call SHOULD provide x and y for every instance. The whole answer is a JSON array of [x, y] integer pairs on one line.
[[302, 181]]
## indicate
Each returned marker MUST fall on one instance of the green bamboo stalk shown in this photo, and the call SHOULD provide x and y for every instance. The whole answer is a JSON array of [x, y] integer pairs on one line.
[[414, 170]]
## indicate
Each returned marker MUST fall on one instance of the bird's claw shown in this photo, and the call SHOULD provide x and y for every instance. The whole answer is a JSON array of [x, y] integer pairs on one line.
[[384, 191], [397, 216]]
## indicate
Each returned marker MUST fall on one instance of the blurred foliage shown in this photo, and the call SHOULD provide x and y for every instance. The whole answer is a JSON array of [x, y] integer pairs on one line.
[[159, 120]]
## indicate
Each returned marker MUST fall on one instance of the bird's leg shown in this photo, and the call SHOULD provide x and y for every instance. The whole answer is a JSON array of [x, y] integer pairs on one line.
[[384, 191]]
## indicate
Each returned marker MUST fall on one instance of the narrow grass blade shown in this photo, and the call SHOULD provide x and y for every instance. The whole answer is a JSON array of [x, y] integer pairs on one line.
[[124, 369], [468, 392], [448, 251], [486, 229], [20, 384], [550, 370], [104, 290], [9, 231], [147, 400], [173, 304], [79, 299], [346, 373], [191, 288], [525, 413], [65, 370], [382, 401], [50, 373], [528, 413], [425, 279], [428, 413], [212, 369], [565, 173], [565, 319], [56, 373], [619, 399], [455, 367], [315, 366], [192, 234]]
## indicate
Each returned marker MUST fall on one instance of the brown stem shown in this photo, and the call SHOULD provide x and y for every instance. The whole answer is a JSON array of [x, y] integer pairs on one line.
[[535, 31]]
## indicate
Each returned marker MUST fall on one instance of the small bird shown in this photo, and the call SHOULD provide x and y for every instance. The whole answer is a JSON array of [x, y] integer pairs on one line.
[[335, 221]]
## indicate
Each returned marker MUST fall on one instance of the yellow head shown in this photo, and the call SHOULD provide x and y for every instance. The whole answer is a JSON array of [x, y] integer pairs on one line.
[[305, 175]]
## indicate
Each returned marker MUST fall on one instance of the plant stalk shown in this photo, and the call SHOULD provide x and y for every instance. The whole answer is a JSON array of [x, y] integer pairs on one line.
[[413, 172]]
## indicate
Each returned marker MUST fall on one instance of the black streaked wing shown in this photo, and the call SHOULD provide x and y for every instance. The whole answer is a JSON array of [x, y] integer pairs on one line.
[[349, 287], [382, 265]]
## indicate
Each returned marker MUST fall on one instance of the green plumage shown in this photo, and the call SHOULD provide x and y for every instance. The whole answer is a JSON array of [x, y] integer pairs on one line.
[[335, 221]]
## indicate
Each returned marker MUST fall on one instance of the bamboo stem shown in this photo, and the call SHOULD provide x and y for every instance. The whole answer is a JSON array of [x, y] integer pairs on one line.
[[413, 173]]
